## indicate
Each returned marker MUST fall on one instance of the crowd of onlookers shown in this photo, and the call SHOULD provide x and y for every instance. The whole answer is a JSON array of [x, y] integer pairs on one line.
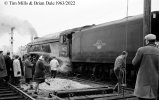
[[29, 68], [11, 69]]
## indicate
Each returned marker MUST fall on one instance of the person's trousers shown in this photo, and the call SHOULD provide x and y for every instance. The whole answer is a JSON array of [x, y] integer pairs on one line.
[[53, 73]]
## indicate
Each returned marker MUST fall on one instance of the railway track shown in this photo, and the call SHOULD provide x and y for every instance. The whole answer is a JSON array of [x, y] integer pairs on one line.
[[11, 92]]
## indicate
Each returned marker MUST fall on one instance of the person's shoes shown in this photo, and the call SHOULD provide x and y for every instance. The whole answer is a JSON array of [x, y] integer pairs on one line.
[[36, 93], [31, 87], [49, 96], [47, 83]]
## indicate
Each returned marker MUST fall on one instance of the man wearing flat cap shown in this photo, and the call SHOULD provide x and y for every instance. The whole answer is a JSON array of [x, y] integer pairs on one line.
[[147, 61]]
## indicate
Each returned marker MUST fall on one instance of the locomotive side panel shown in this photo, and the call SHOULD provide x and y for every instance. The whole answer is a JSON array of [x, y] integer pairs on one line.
[[134, 37], [102, 44]]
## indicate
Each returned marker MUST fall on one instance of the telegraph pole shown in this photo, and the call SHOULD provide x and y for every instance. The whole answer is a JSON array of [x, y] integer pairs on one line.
[[11, 52], [147, 18]]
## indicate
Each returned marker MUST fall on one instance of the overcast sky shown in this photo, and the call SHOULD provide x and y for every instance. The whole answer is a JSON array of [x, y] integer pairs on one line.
[[46, 19]]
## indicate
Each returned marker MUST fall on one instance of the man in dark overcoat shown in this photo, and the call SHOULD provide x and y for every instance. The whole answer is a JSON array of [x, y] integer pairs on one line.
[[8, 63], [28, 69], [3, 70], [147, 60], [39, 75]]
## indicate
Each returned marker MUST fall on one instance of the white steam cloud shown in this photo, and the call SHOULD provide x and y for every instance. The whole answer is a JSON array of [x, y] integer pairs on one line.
[[22, 27]]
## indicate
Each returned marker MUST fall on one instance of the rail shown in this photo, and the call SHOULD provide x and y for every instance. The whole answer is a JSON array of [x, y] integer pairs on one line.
[[22, 93]]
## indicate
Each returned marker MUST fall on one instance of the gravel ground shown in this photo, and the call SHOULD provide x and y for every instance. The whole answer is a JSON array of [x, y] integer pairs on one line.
[[62, 84], [57, 84]]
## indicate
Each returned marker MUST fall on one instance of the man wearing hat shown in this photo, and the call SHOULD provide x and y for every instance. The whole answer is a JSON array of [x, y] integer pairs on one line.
[[147, 61]]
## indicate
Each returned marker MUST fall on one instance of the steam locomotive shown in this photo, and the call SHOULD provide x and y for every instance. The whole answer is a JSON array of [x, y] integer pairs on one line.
[[90, 51]]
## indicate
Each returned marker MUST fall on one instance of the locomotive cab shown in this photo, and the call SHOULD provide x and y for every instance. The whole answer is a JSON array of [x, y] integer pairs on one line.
[[64, 46], [65, 51]]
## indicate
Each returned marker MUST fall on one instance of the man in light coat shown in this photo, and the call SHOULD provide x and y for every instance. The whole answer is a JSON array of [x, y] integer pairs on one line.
[[147, 60], [54, 64], [16, 70]]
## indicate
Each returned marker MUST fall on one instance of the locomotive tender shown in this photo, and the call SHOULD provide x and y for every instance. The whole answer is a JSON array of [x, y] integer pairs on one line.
[[91, 50]]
